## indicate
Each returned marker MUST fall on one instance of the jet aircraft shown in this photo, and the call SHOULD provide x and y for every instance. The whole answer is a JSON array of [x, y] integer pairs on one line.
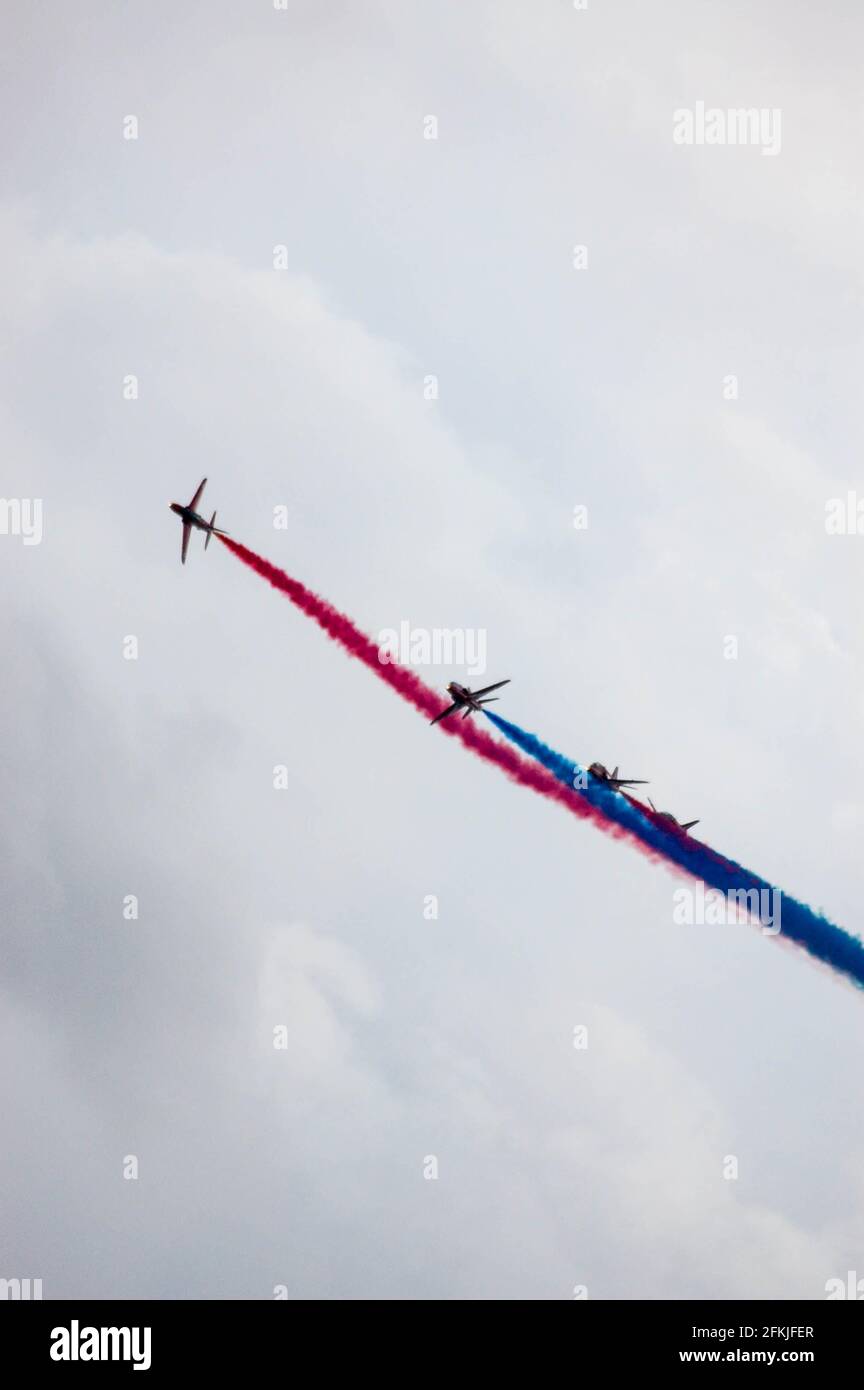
[[667, 815], [612, 779], [467, 700], [190, 518]]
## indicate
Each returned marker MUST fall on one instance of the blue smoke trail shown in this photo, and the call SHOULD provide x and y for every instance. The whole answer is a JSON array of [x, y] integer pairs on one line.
[[799, 923]]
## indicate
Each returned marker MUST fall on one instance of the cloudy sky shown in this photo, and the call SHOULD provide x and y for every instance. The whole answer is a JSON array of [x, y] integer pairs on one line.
[[429, 1129]]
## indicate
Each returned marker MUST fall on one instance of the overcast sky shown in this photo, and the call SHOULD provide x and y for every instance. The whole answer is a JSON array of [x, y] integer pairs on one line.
[[301, 907]]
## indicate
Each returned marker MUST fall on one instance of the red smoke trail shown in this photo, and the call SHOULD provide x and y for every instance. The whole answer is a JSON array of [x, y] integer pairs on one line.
[[828, 943], [425, 699]]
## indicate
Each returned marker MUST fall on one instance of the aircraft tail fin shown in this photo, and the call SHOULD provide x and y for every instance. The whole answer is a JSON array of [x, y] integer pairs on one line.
[[490, 701], [210, 532], [688, 824]]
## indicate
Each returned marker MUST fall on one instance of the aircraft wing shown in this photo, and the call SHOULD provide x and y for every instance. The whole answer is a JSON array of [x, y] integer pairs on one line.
[[444, 713], [487, 688], [184, 544], [688, 824], [197, 498]]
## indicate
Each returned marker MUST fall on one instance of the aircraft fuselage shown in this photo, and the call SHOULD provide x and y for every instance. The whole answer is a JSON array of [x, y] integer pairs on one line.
[[461, 695], [190, 518]]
